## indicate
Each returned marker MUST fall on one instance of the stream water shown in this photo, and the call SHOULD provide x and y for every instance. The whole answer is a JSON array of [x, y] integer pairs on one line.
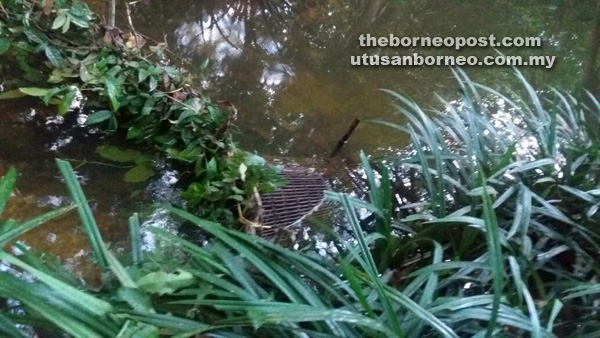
[[286, 66]]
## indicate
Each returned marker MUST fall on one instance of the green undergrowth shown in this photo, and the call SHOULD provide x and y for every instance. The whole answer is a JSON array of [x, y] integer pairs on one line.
[[499, 189], [495, 234], [59, 52], [487, 225]]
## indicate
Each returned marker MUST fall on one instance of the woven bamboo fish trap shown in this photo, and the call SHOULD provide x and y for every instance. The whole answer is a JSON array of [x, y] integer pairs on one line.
[[303, 197], [286, 207]]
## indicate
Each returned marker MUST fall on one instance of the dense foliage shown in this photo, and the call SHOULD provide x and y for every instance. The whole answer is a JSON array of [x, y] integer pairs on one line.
[[485, 226], [60, 47], [499, 240]]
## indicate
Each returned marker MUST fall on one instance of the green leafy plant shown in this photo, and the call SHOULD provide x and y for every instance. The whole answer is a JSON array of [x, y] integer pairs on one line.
[[505, 256], [519, 197], [140, 171], [77, 14], [127, 86]]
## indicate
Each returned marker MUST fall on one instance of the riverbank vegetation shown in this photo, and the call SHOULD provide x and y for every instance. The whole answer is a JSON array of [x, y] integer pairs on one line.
[[61, 54], [499, 240], [486, 225]]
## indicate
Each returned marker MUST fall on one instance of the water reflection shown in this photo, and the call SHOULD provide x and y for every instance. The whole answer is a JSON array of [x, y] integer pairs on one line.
[[285, 64]]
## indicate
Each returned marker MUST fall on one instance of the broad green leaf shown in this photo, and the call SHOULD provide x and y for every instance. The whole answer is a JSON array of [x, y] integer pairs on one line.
[[85, 74], [79, 22], [113, 90], [33, 91], [173, 73], [53, 55], [67, 25], [59, 21], [211, 169], [4, 46], [65, 103], [153, 83], [11, 94], [139, 173], [99, 116], [204, 64], [134, 132], [142, 75], [117, 154], [254, 160], [136, 298], [161, 282], [148, 106], [52, 93]]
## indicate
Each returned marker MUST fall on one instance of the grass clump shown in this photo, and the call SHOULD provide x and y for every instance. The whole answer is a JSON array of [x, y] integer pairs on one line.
[[507, 181]]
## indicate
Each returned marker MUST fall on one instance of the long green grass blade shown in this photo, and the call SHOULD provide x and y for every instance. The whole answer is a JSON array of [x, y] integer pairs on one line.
[[495, 254], [370, 267], [85, 213], [31, 296], [556, 307], [276, 312], [136, 239], [257, 260], [428, 318], [72, 294], [20, 229], [9, 328], [536, 329], [176, 324], [7, 184], [357, 290], [119, 270]]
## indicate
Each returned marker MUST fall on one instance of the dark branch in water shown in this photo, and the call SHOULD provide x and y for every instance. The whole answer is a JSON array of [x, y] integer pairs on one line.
[[344, 138]]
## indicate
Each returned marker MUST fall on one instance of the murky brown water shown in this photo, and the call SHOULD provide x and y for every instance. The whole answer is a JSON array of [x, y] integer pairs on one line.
[[286, 66], [30, 138]]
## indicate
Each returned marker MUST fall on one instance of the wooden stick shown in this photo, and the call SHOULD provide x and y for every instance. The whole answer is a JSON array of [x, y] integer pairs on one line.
[[135, 34], [344, 138], [111, 13]]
